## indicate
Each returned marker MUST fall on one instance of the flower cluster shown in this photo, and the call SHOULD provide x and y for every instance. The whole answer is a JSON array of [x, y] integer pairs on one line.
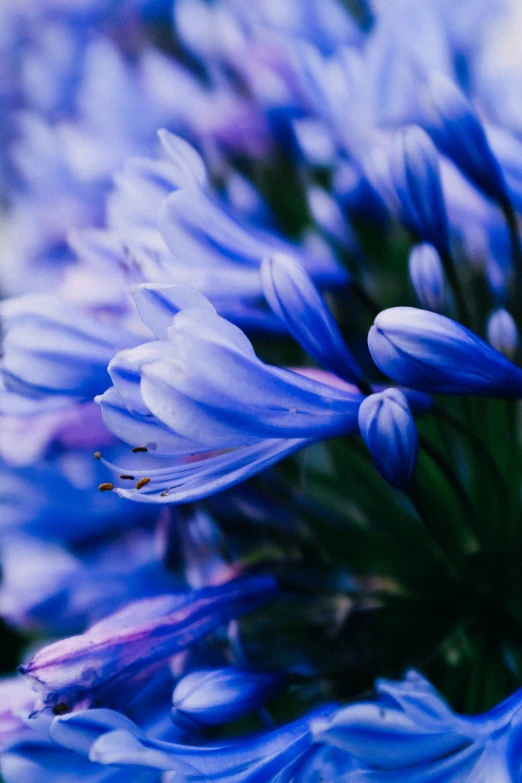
[[260, 385]]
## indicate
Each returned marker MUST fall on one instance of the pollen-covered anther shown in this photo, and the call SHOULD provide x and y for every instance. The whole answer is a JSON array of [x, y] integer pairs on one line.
[[142, 482], [106, 487], [127, 477], [97, 455]]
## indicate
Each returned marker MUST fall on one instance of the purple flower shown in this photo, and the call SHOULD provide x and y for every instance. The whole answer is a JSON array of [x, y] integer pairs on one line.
[[116, 655]]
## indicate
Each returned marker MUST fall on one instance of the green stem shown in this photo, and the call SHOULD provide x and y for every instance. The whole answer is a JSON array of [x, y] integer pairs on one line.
[[453, 279], [446, 469], [514, 238], [418, 504], [476, 441]]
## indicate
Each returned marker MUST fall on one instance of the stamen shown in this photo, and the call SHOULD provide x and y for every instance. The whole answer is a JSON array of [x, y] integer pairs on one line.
[[97, 455], [106, 487], [137, 449], [142, 482], [124, 476]]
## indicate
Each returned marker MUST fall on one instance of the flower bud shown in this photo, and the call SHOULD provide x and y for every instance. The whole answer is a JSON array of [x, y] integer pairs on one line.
[[294, 298], [389, 431], [458, 133], [415, 176], [212, 696], [503, 333], [429, 352], [427, 277]]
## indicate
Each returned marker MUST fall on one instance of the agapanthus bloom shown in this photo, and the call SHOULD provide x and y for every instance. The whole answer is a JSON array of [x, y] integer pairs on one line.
[[262, 278]]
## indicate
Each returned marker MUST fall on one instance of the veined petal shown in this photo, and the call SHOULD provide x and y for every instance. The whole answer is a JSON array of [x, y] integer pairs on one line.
[[121, 648], [387, 738], [388, 429], [214, 390], [186, 482], [53, 348], [260, 759], [138, 429]]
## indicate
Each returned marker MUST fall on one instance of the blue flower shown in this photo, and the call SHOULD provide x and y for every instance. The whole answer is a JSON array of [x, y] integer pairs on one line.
[[432, 353], [389, 431], [266, 758], [456, 130], [416, 179], [296, 301], [112, 659], [203, 389], [47, 587], [408, 733], [52, 348], [502, 332], [427, 277], [212, 696]]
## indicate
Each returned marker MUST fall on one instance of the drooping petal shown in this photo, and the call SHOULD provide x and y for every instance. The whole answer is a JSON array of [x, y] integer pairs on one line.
[[214, 390], [138, 429], [101, 663], [261, 759]]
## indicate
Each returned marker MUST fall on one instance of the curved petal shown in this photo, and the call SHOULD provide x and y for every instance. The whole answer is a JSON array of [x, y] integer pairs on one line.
[[214, 390], [186, 482], [157, 304], [294, 298]]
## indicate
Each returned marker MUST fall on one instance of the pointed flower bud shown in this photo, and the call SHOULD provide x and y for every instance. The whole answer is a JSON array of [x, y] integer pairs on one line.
[[415, 176], [105, 663], [388, 429], [213, 696], [427, 277], [458, 133], [429, 352], [294, 298], [503, 333]]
